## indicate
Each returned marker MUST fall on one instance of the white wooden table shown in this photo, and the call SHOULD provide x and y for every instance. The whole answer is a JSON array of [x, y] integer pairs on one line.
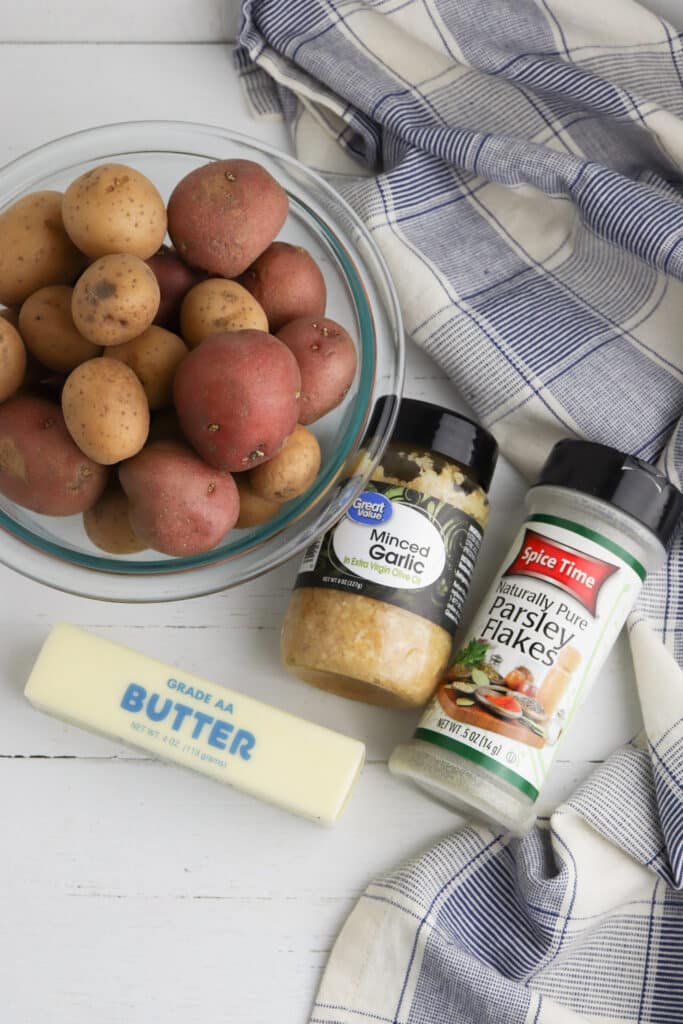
[[132, 892]]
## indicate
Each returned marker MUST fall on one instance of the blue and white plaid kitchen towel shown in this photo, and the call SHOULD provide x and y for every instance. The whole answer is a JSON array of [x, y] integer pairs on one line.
[[519, 163]]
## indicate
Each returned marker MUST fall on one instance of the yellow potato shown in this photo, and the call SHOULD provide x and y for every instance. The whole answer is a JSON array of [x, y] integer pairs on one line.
[[292, 471], [114, 208], [254, 510], [116, 299], [218, 305], [107, 523], [35, 250], [12, 360], [105, 410], [48, 330], [154, 356]]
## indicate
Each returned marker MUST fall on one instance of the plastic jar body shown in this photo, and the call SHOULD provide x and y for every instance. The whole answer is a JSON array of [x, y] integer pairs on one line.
[[377, 600], [535, 647]]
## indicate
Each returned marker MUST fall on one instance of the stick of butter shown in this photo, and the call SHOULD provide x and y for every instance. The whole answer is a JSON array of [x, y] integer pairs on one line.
[[180, 717]]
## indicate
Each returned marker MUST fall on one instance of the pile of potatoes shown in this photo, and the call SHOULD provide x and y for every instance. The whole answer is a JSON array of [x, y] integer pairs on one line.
[[163, 392]]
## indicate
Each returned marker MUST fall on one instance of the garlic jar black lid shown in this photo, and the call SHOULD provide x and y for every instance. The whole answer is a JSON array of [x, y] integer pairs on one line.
[[444, 432], [630, 484]]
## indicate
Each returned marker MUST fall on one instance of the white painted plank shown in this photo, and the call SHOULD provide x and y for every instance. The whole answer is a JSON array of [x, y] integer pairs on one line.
[[152, 894], [136, 21], [84, 86], [144, 893], [176, 21]]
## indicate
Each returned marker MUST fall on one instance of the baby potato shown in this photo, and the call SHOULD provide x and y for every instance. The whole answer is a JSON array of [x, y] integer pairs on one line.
[[12, 360], [35, 250], [40, 466], [49, 332], [115, 299], [178, 504], [154, 356], [107, 523], [288, 284], [105, 410], [237, 398], [218, 305], [292, 471], [175, 280], [327, 360], [254, 510], [223, 215], [114, 208]]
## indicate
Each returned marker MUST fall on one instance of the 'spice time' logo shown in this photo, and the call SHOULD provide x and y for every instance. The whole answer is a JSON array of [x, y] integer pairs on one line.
[[370, 508], [564, 567]]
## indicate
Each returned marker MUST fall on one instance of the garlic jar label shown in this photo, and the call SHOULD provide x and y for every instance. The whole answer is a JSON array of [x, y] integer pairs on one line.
[[402, 547], [405, 549], [535, 646]]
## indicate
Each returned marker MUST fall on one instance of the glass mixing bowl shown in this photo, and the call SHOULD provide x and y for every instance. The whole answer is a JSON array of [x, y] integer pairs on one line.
[[361, 296]]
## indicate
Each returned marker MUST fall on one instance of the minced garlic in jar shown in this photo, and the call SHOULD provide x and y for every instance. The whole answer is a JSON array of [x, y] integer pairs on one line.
[[378, 597]]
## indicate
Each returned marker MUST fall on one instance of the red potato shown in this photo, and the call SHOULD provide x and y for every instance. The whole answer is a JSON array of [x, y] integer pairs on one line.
[[223, 215], [327, 361], [237, 398], [287, 283], [177, 504], [175, 279], [41, 467]]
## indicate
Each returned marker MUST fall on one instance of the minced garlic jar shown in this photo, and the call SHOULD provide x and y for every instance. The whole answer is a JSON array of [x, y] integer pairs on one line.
[[378, 597]]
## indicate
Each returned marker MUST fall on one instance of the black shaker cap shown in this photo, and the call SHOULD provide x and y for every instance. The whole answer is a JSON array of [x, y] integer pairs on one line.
[[630, 484]]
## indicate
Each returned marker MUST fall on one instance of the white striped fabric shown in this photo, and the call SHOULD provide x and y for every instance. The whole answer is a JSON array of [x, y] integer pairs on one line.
[[520, 164]]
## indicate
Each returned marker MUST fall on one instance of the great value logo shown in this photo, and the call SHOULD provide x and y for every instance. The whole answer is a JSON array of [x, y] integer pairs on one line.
[[370, 508], [565, 567]]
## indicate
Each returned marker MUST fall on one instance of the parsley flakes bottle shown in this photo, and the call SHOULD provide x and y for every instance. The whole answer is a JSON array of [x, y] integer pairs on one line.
[[598, 522], [378, 598]]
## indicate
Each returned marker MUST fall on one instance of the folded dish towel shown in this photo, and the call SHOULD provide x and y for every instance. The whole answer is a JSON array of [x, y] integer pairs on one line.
[[519, 163]]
